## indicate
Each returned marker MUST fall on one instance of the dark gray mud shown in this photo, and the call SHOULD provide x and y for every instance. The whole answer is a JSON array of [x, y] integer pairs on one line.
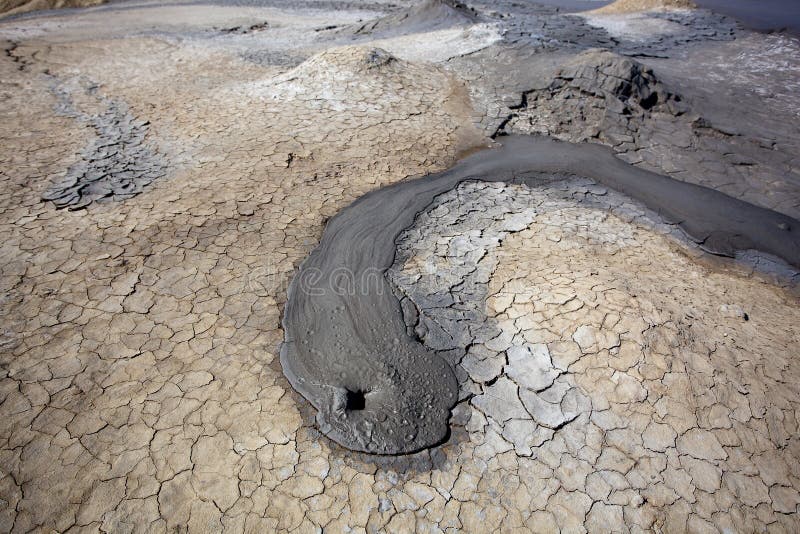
[[347, 350]]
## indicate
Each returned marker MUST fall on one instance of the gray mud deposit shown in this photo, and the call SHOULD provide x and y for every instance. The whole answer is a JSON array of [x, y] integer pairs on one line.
[[605, 98], [117, 163], [378, 389], [533, 24], [426, 16]]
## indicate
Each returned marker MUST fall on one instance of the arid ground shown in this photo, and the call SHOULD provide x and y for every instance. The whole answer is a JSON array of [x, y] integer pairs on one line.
[[167, 167]]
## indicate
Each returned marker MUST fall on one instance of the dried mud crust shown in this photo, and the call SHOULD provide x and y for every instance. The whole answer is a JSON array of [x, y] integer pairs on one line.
[[424, 16], [15, 7], [546, 27], [139, 383], [647, 391], [635, 6], [118, 163]]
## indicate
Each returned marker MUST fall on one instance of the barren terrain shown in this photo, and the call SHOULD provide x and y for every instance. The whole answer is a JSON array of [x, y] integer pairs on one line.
[[167, 169]]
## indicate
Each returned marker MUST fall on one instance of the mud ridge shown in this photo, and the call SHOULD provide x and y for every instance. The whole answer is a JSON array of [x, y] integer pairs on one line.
[[347, 349]]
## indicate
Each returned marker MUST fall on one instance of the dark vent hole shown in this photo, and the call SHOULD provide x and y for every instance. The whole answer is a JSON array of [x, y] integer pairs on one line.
[[355, 400]]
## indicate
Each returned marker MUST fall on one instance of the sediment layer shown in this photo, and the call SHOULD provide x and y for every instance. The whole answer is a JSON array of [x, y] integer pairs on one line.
[[424, 16]]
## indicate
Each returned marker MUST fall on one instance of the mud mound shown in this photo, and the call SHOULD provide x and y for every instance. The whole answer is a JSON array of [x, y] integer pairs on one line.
[[15, 7], [353, 97], [426, 16], [342, 61], [605, 98], [633, 6], [597, 96], [604, 74], [362, 79]]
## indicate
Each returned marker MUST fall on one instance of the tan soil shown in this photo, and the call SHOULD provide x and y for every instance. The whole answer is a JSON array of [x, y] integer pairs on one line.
[[139, 384], [633, 6]]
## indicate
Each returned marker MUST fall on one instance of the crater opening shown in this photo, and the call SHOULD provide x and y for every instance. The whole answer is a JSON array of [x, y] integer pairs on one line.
[[355, 401]]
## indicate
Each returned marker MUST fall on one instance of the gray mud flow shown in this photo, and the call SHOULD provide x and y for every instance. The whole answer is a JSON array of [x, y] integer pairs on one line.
[[346, 349]]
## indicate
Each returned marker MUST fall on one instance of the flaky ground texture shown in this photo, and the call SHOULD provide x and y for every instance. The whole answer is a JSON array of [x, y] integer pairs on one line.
[[140, 339], [642, 398], [166, 169]]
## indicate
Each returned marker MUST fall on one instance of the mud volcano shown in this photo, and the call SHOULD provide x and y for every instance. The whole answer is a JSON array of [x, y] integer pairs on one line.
[[347, 350], [426, 16]]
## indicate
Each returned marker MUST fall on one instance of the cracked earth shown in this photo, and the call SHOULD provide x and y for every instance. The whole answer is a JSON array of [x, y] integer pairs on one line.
[[629, 397], [165, 169]]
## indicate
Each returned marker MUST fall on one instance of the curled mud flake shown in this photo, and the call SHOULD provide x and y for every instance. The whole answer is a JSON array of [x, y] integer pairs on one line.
[[116, 165]]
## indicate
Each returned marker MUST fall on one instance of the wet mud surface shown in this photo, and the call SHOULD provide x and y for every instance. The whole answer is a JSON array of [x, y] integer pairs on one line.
[[766, 15]]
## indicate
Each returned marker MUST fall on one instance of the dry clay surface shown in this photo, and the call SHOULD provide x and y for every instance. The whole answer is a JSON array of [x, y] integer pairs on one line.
[[15, 7], [645, 391], [140, 389], [139, 384]]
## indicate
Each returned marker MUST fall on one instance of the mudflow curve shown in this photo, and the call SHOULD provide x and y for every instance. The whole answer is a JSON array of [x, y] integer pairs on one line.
[[346, 348]]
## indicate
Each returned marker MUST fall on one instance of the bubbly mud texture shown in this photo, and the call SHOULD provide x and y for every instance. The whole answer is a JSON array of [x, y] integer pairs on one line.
[[376, 388]]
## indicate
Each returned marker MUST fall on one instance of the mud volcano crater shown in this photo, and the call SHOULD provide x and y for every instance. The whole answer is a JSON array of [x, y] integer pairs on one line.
[[347, 348]]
